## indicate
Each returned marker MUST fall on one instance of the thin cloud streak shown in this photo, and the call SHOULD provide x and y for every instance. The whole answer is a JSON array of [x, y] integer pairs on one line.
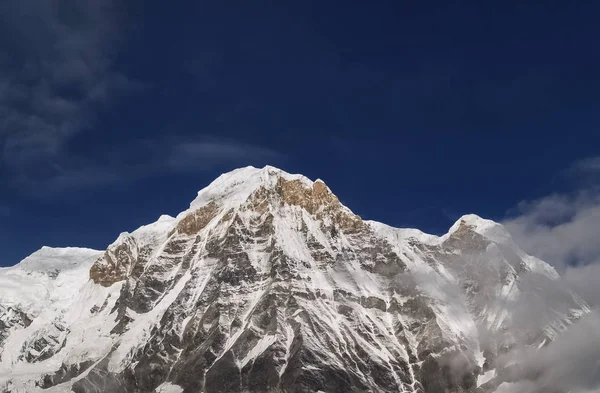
[[152, 158], [55, 71], [52, 85], [590, 164]]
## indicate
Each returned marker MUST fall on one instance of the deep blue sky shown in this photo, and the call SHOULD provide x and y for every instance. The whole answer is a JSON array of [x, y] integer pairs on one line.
[[414, 113]]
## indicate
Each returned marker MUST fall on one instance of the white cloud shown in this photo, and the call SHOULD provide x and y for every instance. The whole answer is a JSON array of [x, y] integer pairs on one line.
[[590, 164], [560, 229], [569, 364], [585, 281], [56, 73], [144, 159], [202, 154], [55, 69], [563, 230]]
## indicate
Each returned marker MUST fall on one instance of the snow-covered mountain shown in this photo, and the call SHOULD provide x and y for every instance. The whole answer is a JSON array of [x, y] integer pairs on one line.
[[267, 283]]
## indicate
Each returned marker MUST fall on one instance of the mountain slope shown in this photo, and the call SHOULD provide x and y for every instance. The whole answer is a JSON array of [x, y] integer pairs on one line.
[[268, 284], [32, 294]]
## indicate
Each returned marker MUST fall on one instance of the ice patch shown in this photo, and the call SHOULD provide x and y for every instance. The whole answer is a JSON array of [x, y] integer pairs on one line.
[[168, 387]]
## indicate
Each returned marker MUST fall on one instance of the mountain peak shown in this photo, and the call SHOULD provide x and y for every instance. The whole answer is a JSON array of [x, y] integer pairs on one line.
[[487, 228], [237, 185], [57, 258], [497, 233], [253, 185], [268, 283]]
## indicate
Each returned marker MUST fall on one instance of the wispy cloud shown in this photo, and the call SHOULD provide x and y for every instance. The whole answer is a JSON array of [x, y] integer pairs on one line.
[[569, 364], [590, 164], [562, 229], [194, 155], [55, 70], [584, 172], [144, 159]]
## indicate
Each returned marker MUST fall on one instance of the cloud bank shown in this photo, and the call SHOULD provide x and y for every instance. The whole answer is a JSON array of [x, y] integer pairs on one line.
[[563, 230], [569, 364]]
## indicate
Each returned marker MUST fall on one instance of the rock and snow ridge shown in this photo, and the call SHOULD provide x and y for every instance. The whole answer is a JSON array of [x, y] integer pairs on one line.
[[267, 283], [48, 278]]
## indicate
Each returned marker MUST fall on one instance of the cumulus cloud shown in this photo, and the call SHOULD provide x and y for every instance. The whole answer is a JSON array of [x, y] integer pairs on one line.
[[56, 68], [563, 229]]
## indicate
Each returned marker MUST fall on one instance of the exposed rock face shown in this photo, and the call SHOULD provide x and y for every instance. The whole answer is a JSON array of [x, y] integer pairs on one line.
[[197, 220], [11, 317], [117, 263], [269, 284]]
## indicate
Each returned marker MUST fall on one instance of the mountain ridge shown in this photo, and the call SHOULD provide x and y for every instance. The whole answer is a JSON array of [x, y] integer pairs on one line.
[[268, 283]]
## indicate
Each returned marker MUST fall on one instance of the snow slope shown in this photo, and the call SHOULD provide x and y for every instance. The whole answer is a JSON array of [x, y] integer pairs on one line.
[[48, 278]]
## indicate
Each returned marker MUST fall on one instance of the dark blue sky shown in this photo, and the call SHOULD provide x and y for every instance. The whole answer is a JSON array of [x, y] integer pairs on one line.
[[414, 113]]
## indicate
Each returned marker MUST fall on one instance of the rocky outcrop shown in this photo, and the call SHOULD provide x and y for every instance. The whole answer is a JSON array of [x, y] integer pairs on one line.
[[117, 263], [10, 318], [196, 221], [319, 201]]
